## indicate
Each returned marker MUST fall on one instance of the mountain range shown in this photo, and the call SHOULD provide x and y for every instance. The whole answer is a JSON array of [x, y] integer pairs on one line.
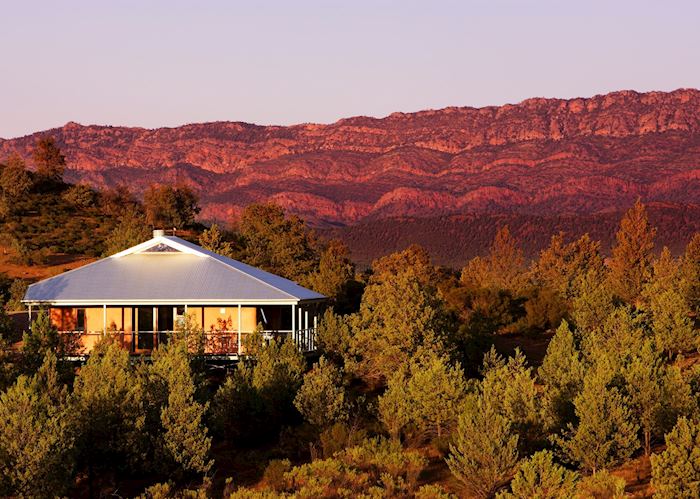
[[540, 165]]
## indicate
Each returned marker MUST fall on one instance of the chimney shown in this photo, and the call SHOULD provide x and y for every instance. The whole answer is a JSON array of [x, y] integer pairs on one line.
[[158, 233]]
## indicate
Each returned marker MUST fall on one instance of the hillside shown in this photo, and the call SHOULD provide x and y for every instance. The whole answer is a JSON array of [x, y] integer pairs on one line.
[[452, 240], [542, 158]]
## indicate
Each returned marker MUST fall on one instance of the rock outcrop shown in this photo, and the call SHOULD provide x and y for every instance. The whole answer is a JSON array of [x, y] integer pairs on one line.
[[539, 157]]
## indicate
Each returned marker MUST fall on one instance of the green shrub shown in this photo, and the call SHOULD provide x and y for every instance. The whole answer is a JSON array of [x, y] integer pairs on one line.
[[274, 473]]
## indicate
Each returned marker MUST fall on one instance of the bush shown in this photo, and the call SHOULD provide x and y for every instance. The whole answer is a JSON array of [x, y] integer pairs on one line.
[[601, 485], [274, 473], [338, 437], [541, 478]]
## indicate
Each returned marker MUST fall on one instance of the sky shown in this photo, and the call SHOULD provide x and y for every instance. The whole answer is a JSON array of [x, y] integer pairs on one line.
[[155, 63]]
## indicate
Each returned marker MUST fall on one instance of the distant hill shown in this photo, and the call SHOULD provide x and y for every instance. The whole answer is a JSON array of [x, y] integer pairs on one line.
[[574, 162], [452, 240]]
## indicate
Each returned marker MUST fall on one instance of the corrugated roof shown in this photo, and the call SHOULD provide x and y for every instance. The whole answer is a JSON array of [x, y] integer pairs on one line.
[[189, 274]]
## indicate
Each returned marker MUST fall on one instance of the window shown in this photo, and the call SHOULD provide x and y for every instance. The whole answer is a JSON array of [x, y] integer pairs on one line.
[[160, 248], [80, 320]]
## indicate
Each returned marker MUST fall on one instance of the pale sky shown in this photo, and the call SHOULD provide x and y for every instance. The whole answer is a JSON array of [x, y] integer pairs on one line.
[[157, 63]]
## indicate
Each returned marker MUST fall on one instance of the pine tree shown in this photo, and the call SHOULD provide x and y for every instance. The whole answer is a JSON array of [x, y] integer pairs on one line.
[[511, 392], [622, 334], [238, 412], [676, 471], [605, 433], [593, 301], [321, 398], [131, 230], [561, 373], [333, 336], [213, 240], [644, 377], [277, 375], [631, 262], [691, 273], [41, 338], [14, 179], [503, 268], [669, 308], [335, 271], [561, 266], [671, 323], [36, 444], [427, 396], [539, 477], [280, 244], [50, 163], [105, 413], [485, 452], [397, 317], [184, 438]]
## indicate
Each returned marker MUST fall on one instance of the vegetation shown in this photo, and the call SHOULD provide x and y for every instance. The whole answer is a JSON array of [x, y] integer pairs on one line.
[[419, 389]]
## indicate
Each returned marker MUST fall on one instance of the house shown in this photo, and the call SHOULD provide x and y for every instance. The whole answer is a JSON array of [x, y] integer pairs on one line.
[[139, 295]]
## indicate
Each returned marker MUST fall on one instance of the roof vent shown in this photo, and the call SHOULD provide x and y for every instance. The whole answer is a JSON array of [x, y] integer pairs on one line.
[[158, 233]]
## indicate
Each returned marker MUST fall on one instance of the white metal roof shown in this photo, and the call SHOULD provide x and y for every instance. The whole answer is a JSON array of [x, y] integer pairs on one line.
[[164, 270]]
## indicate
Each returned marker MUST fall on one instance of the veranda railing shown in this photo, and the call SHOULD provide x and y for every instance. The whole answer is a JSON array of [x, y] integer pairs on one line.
[[214, 342]]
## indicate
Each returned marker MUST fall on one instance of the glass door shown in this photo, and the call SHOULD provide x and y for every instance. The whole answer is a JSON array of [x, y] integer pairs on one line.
[[144, 328], [166, 323]]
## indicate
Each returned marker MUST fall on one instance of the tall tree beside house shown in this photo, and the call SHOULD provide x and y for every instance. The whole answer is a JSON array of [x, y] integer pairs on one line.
[[36, 444], [632, 256], [106, 414], [258, 397], [334, 275], [277, 376], [49, 161], [280, 244], [171, 207], [41, 338], [183, 441], [213, 240], [333, 336], [131, 230]]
